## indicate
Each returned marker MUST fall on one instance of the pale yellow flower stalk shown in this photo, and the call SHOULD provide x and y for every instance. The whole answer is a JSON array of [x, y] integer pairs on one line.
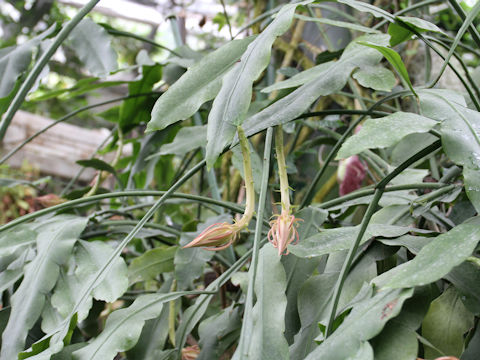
[[221, 235], [283, 229]]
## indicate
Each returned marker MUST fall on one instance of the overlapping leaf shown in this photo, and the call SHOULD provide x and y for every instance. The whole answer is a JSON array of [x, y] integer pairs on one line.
[[55, 241], [230, 107], [198, 85]]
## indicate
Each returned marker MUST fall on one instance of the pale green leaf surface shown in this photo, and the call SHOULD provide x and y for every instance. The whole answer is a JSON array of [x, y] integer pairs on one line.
[[301, 78], [55, 241], [123, 327], [14, 61], [366, 320], [375, 77], [230, 107], [90, 256], [421, 24], [187, 139], [435, 259], [266, 341], [445, 323], [151, 263], [16, 238], [384, 132], [91, 42], [332, 240], [337, 23], [65, 293], [460, 129], [366, 7], [198, 85]]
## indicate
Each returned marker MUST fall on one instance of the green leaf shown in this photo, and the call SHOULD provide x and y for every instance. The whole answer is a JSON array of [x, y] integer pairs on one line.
[[436, 259], [15, 60], [466, 279], [230, 107], [198, 85], [90, 256], [301, 78], [367, 319], [313, 300], [395, 60], [151, 263], [385, 132], [91, 43], [375, 77], [366, 7], [395, 342], [218, 332], [400, 34], [473, 349], [337, 23], [123, 327], [331, 79], [137, 110], [445, 323], [460, 129], [97, 164], [55, 241], [16, 238], [187, 139], [266, 340], [332, 240]]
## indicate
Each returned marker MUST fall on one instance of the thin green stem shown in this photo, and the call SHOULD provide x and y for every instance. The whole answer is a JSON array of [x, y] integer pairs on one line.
[[247, 171], [349, 259], [282, 169], [140, 38], [471, 28], [40, 64], [248, 321], [365, 192]]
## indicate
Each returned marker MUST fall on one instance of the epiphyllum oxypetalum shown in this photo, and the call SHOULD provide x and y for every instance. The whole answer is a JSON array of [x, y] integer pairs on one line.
[[283, 229], [221, 235]]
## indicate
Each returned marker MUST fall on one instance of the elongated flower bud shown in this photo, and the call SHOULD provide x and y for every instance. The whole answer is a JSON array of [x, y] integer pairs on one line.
[[283, 232], [221, 235], [216, 237]]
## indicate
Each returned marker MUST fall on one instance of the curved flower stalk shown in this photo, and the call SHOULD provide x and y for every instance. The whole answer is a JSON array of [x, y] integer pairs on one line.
[[283, 230], [221, 235]]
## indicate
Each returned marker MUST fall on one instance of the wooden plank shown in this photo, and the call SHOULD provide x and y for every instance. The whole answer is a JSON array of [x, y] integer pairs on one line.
[[55, 151]]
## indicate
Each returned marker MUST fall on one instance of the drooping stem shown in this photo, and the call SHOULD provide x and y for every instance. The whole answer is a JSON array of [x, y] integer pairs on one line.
[[282, 169], [247, 170]]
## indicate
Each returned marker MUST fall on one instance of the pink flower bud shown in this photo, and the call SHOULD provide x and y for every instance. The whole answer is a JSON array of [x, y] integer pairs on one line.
[[350, 174], [216, 237], [283, 231]]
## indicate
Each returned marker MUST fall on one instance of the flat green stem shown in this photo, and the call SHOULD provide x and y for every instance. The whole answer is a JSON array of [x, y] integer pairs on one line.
[[40, 64]]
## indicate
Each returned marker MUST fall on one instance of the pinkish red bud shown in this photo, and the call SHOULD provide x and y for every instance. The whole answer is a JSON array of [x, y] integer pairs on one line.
[[350, 174]]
